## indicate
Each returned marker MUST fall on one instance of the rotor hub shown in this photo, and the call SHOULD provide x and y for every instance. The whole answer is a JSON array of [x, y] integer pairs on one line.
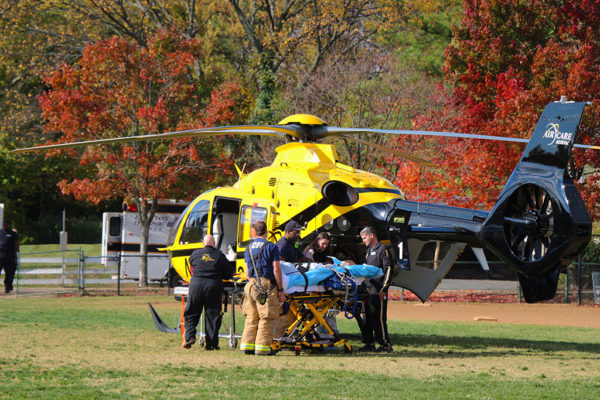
[[302, 120]]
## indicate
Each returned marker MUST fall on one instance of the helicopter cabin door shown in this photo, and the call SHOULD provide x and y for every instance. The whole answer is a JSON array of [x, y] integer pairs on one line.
[[225, 216], [249, 213]]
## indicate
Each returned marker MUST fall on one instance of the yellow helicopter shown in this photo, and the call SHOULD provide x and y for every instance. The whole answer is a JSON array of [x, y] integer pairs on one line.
[[537, 227]]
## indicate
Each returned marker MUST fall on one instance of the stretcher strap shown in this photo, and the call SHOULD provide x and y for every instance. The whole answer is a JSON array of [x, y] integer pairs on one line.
[[305, 281], [345, 281], [351, 314]]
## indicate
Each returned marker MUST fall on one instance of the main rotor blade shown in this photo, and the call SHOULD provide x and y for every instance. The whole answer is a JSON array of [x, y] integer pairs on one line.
[[326, 131], [298, 132], [400, 153], [279, 131]]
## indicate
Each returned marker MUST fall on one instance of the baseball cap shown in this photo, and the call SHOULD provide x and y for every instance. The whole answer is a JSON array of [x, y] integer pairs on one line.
[[293, 226]]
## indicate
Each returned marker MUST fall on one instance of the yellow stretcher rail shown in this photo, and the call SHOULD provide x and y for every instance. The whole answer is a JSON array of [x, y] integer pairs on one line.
[[309, 310]]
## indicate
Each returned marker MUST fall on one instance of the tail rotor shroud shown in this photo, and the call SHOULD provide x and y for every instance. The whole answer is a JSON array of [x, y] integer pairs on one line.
[[529, 223]]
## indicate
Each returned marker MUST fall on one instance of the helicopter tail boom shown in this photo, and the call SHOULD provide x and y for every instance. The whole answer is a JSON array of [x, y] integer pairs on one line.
[[540, 223]]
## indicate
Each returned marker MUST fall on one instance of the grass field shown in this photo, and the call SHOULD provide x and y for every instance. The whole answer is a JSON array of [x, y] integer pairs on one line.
[[108, 347]]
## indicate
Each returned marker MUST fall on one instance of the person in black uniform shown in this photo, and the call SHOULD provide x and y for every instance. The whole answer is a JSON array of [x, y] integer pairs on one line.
[[287, 244], [9, 247], [375, 321], [209, 269]]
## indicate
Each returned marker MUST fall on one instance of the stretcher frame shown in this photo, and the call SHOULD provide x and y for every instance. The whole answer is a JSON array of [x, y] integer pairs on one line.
[[233, 291], [309, 310]]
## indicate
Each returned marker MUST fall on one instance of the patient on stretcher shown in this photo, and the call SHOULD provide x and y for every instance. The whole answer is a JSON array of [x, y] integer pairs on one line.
[[316, 278], [321, 278]]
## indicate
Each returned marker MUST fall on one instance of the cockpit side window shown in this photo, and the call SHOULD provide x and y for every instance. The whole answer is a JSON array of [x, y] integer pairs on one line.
[[196, 224], [248, 216], [175, 227]]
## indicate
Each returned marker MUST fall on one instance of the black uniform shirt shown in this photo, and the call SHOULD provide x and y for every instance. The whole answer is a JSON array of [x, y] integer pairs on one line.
[[380, 257], [210, 263], [8, 240], [288, 251]]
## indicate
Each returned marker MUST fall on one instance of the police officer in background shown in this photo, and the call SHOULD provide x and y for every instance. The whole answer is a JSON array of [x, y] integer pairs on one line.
[[377, 255], [209, 269], [9, 247]]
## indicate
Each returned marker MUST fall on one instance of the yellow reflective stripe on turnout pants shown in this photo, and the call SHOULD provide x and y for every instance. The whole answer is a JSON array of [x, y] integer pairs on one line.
[[260, 318]]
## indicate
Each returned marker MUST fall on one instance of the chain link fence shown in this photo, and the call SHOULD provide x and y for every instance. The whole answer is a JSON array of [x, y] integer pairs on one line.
[[580, 284]]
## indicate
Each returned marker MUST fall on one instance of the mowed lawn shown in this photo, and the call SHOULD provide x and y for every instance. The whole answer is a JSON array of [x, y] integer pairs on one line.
[[108, 347]]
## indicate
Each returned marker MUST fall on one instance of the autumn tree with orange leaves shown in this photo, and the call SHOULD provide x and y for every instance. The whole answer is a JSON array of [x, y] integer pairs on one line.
[[508, 59], [120, 89]]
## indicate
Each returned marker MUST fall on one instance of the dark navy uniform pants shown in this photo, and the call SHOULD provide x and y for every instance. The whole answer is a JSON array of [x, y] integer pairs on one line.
[[204, 294], [9, 265], [375, 321]]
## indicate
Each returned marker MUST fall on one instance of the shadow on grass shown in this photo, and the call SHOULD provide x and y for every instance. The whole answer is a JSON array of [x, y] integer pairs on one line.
[[470, 346]]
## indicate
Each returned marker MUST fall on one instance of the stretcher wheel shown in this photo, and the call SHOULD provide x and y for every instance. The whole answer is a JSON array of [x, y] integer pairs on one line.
[[232, 343], [201, 342]]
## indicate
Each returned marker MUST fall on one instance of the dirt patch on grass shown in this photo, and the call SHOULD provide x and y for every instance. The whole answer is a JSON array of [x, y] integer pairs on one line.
[[442, 306], [519, 313]]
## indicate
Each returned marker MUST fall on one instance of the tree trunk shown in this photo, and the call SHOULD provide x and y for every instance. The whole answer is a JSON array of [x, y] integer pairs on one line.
[[146, 213], [144, 253]]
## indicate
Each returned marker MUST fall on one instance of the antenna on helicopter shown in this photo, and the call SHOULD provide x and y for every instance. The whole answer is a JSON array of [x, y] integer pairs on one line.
[[240, 171]]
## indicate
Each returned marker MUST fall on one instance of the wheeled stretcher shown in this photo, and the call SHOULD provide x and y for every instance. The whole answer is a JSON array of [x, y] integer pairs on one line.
[[310, 298]]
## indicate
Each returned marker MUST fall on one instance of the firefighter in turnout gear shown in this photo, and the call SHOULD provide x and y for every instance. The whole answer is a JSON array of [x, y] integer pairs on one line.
[[209, 269], [375, 321], [263, 292]]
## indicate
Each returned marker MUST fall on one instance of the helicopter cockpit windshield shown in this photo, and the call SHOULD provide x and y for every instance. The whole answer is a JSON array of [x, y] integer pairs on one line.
[[196, 225]]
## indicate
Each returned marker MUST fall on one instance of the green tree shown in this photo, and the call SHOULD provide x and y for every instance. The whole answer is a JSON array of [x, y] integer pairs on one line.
[[302, 34]]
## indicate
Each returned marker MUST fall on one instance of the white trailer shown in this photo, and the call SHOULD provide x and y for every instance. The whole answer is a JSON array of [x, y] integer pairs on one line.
[[121, 237]]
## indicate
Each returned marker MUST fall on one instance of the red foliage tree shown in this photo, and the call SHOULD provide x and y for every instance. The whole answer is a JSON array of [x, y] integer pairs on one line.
[[119, 89], [508, 60]]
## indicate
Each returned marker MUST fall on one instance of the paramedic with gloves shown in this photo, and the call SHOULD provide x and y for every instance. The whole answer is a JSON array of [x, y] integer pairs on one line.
[[209, 269], [263, 293], [377, 255]]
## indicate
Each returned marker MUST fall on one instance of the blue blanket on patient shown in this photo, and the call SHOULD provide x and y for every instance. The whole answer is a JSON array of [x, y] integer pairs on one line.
[[318, 275]]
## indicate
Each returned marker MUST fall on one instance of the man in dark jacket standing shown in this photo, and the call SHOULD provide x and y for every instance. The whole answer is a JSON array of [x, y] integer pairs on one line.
[[209, 269], [9, 247], [377, 255]]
